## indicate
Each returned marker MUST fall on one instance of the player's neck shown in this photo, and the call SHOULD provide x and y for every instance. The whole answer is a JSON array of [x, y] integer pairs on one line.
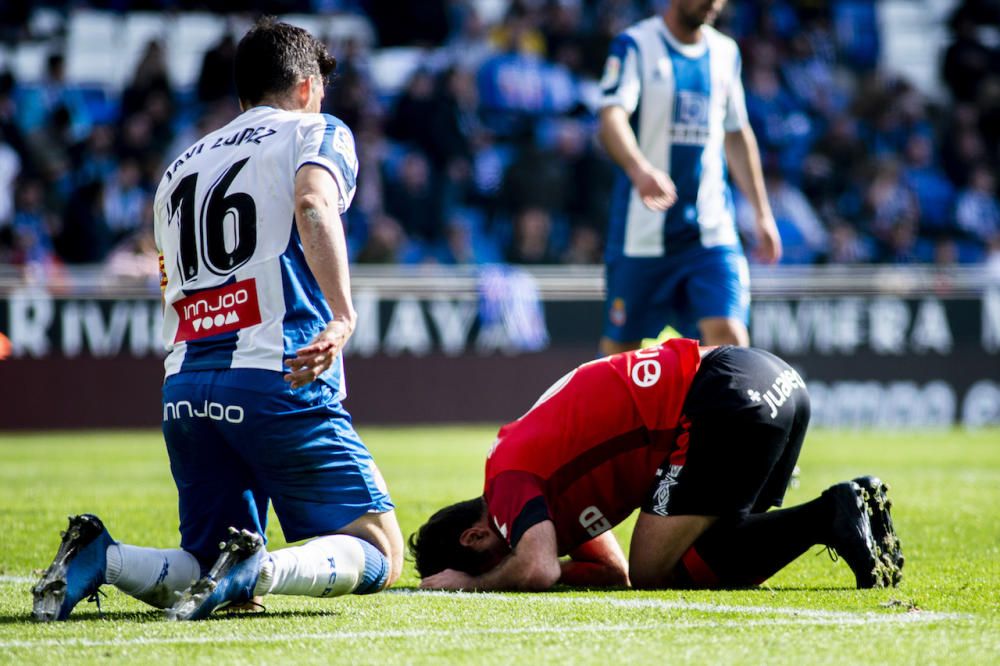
[[275, 105], [680, 31], [283, 103]]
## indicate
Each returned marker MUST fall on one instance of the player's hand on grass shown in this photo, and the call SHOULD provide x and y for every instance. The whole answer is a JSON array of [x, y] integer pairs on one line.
[[449, 579], [768, 247], [654, 186], [316, 358]]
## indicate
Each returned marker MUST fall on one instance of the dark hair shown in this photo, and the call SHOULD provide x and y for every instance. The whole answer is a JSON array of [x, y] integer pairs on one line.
[[274, 56], [435, 546]]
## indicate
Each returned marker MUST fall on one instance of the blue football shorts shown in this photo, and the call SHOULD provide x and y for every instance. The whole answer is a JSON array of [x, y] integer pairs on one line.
[[645, 294], [239, 439]]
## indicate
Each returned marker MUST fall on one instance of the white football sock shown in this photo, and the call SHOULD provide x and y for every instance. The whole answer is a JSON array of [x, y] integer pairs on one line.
[[325, 567], [152, 575]]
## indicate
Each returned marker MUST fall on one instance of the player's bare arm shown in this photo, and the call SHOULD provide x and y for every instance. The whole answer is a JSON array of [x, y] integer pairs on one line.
[[743, 157], [325, 249], [532, 566], [599, 562], [654, 186]]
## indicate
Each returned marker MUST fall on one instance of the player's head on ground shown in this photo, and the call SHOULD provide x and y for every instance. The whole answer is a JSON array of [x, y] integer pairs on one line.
[[695, 13], [281, 65], [457, 537]]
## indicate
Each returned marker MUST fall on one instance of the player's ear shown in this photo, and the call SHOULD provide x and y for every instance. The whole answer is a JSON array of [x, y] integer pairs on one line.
[[303, 91], [475, 536]]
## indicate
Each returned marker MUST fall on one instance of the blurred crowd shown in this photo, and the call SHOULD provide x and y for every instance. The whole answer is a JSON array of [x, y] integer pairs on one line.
[[487, 151]]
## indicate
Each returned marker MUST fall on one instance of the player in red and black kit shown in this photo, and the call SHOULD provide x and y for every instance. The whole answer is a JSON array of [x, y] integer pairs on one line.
[[703, 440]]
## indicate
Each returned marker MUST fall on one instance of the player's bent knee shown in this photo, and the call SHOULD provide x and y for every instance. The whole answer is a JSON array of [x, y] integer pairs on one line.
[[381, 531]]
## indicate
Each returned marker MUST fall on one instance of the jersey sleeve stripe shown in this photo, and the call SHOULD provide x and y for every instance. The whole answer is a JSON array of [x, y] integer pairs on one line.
[[327, 150], [534, 512]]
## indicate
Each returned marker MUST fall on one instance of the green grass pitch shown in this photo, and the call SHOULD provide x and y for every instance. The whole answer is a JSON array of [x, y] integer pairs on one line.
[[945, 486]]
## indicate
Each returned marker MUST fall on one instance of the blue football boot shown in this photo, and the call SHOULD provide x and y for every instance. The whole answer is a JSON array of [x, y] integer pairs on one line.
[[231, 579], [888, 544], [77, 571]]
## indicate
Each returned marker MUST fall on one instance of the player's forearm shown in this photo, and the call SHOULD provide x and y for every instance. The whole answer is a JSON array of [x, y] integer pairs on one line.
[[593, 574], [743, 158], [619, 140], [325, 249], [520, 573]]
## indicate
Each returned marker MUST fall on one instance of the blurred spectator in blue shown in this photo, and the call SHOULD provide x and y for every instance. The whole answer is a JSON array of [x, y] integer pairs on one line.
[[37, 102], [95, 158], [469, 44], [215, 80], [531, 240], [935, 194], [458, 247], [517, 85], [134, 138], [778, 18], [891, 111], [350, 96], [32, 226], [827, 171], [803, 238], [848, 246], [902, 245], [584, 246], [537, 178], [962, 146], [891, 204], [413, 111], [372, 149], [50, 144], [608, 19], [566, 39], [780, 122], [85, 237], [968, 61], [977, 212], [124, 199], [150, 78], [811, 78], [857, 33], [411, 197], [385, 242], [455, 125]]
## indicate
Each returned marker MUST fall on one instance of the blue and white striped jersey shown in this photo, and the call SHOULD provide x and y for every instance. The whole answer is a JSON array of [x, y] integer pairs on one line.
[[237, 290], [682, 99]]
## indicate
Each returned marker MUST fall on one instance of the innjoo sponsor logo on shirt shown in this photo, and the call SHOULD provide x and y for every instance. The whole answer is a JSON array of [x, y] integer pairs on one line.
[[222, 310]]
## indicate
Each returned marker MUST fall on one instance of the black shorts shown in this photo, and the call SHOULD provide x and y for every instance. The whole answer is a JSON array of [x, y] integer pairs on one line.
[[744, 420]]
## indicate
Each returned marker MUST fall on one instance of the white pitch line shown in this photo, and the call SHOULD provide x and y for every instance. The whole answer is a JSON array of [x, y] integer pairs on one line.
[[448, 633], [926, 616], [17, 579]]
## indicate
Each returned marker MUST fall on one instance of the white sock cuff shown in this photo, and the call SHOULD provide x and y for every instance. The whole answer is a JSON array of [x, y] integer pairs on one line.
[[266, 578], [113, 569]]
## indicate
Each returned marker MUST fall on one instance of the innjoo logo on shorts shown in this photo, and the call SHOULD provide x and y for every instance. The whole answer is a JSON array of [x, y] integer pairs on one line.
[[222, 310]]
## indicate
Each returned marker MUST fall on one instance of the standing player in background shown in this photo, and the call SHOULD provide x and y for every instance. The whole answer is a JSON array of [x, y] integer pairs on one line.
[[673, 118], [257, 310]]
